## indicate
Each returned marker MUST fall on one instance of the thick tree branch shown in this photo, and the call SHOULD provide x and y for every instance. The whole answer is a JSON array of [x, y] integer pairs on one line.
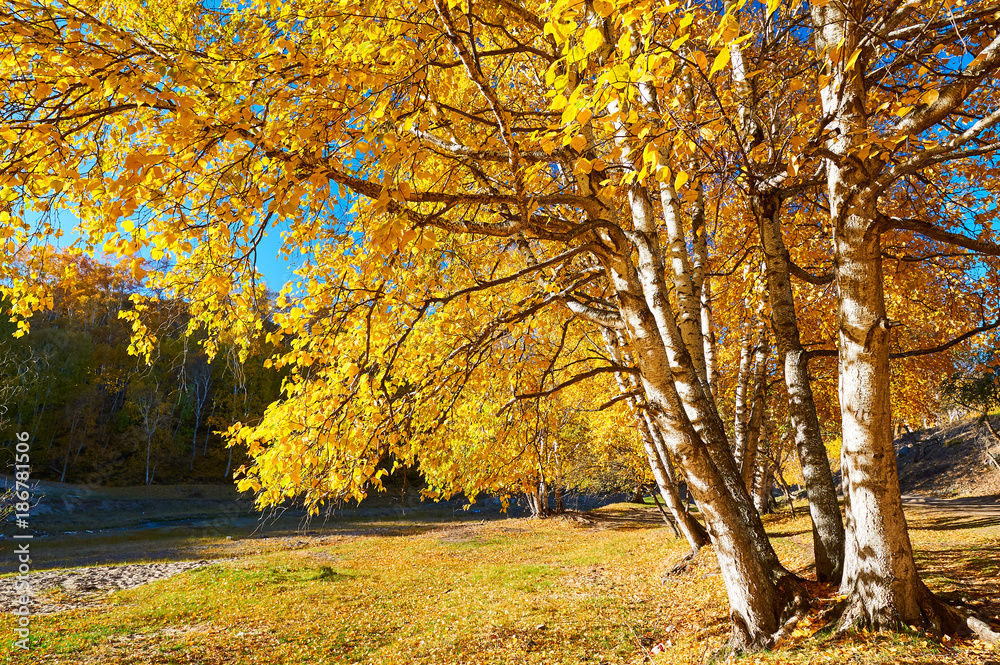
[[952, 95], [806, 276], [947, 345], [597, 371], [482, 286], [932, 232], [454, 149], [606, 318], [614, 400], [944, 346]]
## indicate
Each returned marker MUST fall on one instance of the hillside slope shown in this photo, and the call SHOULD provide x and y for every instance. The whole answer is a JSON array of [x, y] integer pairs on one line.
[[955, 459]]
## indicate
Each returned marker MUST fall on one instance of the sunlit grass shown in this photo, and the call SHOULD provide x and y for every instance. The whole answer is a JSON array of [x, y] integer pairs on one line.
[[506, 591]]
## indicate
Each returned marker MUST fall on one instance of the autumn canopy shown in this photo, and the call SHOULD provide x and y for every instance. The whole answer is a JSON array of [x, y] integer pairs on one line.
[[513, 208]]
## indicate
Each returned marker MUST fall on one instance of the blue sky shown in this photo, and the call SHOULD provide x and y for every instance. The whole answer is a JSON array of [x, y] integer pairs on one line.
[[276, 270]]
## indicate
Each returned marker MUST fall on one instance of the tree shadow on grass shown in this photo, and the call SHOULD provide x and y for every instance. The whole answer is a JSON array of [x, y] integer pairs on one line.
[[927, 521], [967, 576], [787, 534], [620, 517]]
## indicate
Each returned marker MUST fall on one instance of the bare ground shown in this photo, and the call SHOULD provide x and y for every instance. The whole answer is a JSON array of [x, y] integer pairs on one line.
[[61, 590]]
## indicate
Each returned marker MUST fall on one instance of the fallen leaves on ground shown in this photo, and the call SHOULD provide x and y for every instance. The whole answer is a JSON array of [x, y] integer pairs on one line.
[[504, 591]]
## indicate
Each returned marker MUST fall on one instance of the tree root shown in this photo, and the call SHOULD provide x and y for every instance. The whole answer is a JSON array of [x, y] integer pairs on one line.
[[955, 620], [937, 618], [981, 629], [795, 605], [681, 566]]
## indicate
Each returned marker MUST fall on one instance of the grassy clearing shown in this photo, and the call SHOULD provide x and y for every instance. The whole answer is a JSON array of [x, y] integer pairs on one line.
[[504, 591]]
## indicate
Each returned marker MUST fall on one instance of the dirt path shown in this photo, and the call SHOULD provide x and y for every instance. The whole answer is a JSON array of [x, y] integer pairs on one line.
[[977, 506]]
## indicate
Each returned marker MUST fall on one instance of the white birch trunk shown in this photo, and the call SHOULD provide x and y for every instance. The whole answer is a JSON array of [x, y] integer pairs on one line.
[[880, 578], [827, 524]]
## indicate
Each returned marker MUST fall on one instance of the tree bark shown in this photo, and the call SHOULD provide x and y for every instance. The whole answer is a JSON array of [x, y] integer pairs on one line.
[[703, 287], [827, 524], [656, 454], [746, 454], [685, 290], [880, 577], [763, 480], [742, 392], [532, 498]]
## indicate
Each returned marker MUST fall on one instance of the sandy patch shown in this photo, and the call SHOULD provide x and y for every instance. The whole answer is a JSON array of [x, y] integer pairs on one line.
[[86, 587]]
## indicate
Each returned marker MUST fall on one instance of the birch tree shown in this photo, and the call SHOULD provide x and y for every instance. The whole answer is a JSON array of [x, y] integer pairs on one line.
[[875, 141], [465, 179]]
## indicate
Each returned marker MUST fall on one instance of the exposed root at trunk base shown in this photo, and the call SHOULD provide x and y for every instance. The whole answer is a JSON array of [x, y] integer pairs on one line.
[[952, 620], [681, 566], [936, 618], [795, 604]]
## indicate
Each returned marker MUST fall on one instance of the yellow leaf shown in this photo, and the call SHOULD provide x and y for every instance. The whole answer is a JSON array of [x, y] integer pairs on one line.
[[592, 40], [930, 97], [578, 143], [854, 59], [677, 43], [721, 61], [772, 6], [681, 179], [625, 42], [604, 8], [427, 240], [700, 58], [583, 116]]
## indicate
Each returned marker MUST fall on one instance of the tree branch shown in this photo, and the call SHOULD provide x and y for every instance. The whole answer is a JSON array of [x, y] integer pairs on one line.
[[565, 384], [947, 345], [932, 232], [805, 276], [986, 327]]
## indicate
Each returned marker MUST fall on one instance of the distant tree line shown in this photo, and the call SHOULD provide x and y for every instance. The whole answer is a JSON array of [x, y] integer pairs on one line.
[[97, 413]]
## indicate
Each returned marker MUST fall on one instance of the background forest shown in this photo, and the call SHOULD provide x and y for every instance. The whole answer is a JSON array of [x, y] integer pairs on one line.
[[97, 414]]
